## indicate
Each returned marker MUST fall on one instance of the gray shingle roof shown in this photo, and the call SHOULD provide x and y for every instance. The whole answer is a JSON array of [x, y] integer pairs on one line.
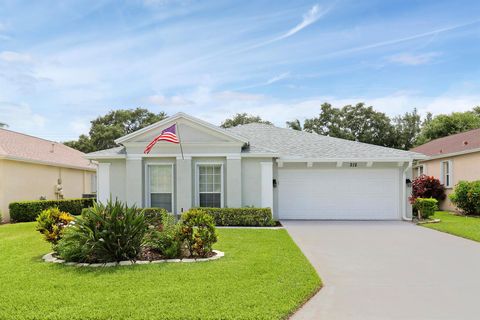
[[117, 151], [299, 144]]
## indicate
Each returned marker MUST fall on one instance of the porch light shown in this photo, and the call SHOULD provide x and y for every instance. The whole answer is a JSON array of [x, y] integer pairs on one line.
[[408, 182]]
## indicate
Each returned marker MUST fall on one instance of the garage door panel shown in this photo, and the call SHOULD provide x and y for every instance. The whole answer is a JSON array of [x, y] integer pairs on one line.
[[338, 194]]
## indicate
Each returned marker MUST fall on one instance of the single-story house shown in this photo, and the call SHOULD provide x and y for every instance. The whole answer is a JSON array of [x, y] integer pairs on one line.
[[299, 175], [451, 159], [32, 168]]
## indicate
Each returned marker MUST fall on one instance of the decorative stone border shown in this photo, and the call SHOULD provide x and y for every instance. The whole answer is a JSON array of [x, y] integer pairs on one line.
[[51, 259]]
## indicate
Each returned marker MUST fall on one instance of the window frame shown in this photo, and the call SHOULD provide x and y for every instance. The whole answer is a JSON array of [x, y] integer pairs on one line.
[[148, 194], [444, 174], [197, 182], [422, 168]]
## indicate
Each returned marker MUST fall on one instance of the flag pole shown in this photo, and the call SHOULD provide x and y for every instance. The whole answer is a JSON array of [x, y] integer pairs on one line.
[[180, 140]]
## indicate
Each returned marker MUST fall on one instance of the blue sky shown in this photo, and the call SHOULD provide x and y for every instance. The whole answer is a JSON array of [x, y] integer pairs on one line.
[[63, 63]]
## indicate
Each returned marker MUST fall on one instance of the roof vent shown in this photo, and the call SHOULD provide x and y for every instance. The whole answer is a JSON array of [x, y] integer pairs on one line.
[[53, 148], [441, 151], [465, 143]]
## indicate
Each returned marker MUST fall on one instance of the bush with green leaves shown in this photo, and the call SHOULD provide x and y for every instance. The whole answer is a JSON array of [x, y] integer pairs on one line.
[[155, 216], [256, 217], [425, 207], [466, 196], [52, 222], [104, 233], [164, 238], [26, 211], [197, 232]]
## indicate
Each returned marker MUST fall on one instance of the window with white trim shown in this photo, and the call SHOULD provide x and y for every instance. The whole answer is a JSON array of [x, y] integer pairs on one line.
[[420, 170], [210, 185], [160, 186], [446, 173]]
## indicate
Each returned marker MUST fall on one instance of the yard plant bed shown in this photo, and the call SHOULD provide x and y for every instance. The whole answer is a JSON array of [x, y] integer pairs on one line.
[[263, 276], [459, 225], [51, 258]]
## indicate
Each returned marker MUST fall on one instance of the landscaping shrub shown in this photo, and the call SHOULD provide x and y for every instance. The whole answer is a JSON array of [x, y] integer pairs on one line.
[[165, 239], [104, 233], [425, 207], [25, 211], [427, 187], [52, 222], [155, 216], [259, 217], [197, 232], [466, 196]]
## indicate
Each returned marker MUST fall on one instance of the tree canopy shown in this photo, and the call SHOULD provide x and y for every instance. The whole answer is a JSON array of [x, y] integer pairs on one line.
[[364, 124], [444, 125], [115, 124], [242, 118]]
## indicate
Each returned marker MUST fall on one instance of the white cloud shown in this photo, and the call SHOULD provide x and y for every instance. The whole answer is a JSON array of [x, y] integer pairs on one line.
[[162, 100], [278, 77], [79, 126], [315, 13], [411, 59], [308, 18], [20, 117], [15, 57]]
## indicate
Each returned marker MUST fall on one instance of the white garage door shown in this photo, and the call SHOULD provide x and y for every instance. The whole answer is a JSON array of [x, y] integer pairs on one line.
[[356, 194]]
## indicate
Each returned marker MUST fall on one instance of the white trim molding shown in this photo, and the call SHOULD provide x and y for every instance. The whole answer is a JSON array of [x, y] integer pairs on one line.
[[267, 184], [197, 181], [103, 182], [148, 198], [443, 174], [174, 118]]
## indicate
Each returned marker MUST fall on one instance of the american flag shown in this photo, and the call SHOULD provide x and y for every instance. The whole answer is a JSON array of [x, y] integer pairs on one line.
[[169, 134]]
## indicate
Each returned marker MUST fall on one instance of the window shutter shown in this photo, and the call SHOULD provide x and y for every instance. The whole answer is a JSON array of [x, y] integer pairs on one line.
[[450, 172], [442, 172]]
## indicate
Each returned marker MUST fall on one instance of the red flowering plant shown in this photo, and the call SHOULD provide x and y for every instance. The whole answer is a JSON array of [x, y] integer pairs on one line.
[[427, 187]]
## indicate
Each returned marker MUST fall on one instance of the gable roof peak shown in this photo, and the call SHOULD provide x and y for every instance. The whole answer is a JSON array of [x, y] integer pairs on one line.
[[177, 116]]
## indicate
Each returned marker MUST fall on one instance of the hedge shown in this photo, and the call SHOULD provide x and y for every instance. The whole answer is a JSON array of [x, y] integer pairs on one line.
[[426, 207], [25, 211], [258, 217]]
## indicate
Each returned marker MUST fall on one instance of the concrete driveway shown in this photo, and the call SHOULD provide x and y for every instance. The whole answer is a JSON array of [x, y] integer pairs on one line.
[[388, 270]]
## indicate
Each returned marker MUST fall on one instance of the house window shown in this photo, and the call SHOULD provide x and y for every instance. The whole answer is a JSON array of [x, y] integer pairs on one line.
[[160, 186], [420, 170], [210, 185], [446, 168]]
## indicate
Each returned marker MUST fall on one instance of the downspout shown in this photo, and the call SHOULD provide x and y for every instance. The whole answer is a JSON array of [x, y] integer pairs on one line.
[[404, 184]]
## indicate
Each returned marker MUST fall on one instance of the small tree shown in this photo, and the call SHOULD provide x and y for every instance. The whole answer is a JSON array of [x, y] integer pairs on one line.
[[427, 187]]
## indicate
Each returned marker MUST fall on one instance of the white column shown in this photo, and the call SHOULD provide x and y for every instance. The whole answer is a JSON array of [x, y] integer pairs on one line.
[[234, 182], [134, 180], [103, 181], [184, 195], [267, 184]]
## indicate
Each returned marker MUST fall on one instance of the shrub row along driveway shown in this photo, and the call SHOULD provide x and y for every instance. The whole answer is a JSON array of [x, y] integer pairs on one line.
[[388, 270]]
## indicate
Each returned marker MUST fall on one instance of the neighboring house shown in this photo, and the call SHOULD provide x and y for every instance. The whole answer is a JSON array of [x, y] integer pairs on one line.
[[30, 168], [451, 159], [299, 175]]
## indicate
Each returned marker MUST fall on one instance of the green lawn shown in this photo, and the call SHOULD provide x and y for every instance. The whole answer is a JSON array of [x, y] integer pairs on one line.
[[263, 276], [466, 227]]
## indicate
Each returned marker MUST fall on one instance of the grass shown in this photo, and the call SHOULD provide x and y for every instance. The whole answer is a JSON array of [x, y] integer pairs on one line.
[[462, 226], [263, 276]]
